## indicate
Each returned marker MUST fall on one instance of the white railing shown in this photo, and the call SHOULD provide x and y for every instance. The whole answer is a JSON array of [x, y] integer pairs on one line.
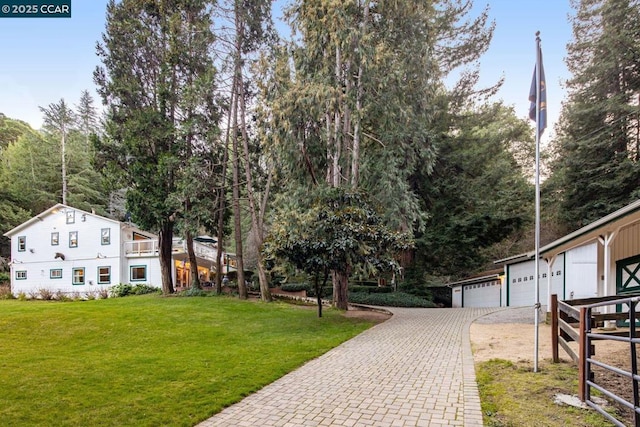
[[141, 248], [179, 246]]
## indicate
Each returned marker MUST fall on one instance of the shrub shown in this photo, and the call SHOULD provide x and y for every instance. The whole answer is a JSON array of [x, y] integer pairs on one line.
[[103, 293], [60, 296], [371, 289], [5, 292], [33, 294], [296, 287], [22, 296], [194, 292], [124, 289], [120, 290], [395, 299], [46, 294], [90, 295], [4, 278]]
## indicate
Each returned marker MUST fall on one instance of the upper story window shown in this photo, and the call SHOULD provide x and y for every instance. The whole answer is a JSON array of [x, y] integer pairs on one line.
[[21, 275], [55, 273], [73, 239], [71, 216], [105, 236], [22, 243], [55, 238]]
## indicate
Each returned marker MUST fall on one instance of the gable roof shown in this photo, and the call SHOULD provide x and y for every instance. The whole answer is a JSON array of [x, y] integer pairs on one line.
[[52, 211]]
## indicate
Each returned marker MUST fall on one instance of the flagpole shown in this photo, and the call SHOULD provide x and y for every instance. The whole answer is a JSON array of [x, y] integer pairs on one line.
[[537, 220]]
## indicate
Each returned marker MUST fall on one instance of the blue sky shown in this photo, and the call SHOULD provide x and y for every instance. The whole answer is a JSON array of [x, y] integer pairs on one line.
[[46, 59]]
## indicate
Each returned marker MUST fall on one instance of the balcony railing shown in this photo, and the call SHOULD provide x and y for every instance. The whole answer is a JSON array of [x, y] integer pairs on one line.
[[141, 248], [179, 246]]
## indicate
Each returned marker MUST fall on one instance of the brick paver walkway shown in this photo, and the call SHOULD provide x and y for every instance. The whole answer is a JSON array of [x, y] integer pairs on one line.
[[415, 369]]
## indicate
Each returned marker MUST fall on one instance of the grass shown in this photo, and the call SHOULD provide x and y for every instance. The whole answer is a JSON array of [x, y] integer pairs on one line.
[[512, 395], [149, 360]]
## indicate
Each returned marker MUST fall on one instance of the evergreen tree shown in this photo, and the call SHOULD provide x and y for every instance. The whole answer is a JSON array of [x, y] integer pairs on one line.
[[477, 195], [59, 120], [361, 106], [595, 168], [153, 53]]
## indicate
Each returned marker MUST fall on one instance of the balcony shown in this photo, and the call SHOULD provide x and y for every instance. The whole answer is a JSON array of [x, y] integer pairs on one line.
[[139, 248]]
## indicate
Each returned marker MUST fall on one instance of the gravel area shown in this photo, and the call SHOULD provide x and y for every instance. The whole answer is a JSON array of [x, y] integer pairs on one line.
[[512, 315]]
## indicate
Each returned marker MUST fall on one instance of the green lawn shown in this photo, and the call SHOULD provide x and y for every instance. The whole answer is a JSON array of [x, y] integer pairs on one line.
[[149, 360]]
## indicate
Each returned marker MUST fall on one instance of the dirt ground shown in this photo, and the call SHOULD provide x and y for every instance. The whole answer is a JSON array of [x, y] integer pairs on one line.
[[515, 342]]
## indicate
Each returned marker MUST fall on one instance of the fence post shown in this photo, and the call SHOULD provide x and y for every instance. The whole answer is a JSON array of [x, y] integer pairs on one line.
[[554, 328], [582, 356]]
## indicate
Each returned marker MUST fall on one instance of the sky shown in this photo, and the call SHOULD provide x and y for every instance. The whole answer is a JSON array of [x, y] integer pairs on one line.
[[43, 60]]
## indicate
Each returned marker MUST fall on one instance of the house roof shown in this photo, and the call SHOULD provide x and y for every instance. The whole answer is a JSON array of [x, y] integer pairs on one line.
[[51, 211], [479, 278], [625, 216], [613, 222]]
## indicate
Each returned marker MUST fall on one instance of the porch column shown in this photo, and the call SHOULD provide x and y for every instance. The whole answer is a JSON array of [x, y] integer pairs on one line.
[[550, 263], [607, 241]]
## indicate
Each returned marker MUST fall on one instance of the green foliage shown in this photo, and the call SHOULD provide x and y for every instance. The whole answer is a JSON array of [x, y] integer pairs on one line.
[[596, 154], [296, 287], [370, 289], [477, 194], [338, 232], [395, 299], [125, 289]]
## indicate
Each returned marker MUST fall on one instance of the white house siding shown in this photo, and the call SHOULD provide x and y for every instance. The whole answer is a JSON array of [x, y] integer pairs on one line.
[[485, 294], [40, 258], [456, 297], [152, 267], [581, 265]]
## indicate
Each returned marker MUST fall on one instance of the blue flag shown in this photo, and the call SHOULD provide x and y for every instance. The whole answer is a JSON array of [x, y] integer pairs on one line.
[[542, 102]]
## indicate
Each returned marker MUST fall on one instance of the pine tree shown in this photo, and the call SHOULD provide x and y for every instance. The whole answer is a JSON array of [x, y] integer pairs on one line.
[[597, 151]]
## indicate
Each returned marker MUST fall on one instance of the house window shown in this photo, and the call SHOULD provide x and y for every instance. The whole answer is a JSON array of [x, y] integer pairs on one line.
[[78, 276], [21, 275], [138, 273], [55, 238], [544, 275], [105, 236], [73, 239], [558, 273], [525, 278], [22, 243], [104, 275], [71, 216], [530, 277], [55, 273]]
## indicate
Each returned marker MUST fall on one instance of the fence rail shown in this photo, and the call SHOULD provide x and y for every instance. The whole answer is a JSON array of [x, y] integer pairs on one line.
[[574, 321]]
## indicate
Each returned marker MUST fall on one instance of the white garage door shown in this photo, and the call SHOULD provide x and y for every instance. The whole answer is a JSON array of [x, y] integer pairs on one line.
[[521, 286], [481, 295]]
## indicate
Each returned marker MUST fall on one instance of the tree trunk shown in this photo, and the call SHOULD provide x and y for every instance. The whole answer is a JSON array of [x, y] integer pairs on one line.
[[256, 216], [193, 262], [237, 220], [340, 291], [63, 148], [165, 238]]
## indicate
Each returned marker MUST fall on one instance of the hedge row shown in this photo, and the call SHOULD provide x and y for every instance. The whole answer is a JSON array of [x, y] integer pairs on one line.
[[395, 299]]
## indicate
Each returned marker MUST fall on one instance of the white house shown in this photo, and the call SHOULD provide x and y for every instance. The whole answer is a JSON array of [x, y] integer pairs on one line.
[[600, 259], [68, 250]]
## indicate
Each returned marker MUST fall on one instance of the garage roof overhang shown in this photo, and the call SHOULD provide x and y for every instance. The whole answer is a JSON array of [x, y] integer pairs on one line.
[[611, 223], [483, 277]]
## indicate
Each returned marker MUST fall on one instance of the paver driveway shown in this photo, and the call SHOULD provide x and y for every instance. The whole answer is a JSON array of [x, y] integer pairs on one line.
[[415, 369]]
